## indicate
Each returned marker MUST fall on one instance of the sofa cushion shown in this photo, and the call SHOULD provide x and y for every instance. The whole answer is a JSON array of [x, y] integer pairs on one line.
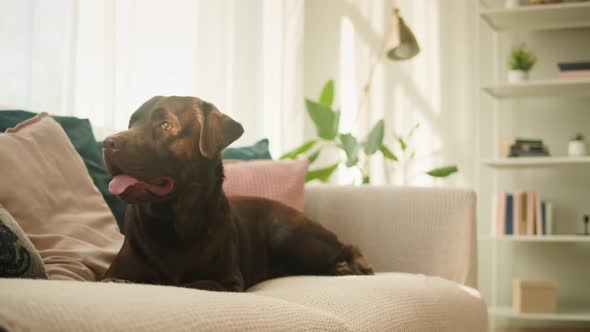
[[258, 150], [18, 256], [80, 133], [279, 180], [386, 301], [37, 305], [46, 188]]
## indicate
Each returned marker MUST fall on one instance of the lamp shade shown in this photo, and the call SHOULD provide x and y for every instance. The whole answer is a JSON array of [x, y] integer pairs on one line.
[[402, 44]]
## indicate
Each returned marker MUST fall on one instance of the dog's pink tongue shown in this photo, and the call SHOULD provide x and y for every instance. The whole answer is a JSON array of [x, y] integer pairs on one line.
[[122, 182]]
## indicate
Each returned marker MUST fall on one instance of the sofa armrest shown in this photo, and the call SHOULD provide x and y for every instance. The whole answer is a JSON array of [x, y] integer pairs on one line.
[[415, 230]]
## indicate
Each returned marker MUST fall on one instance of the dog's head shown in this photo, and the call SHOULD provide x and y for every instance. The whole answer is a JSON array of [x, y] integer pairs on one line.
[[170, 143]]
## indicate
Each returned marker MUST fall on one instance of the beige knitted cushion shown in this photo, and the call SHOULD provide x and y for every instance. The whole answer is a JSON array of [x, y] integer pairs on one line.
[[388, 302], [63, 306]]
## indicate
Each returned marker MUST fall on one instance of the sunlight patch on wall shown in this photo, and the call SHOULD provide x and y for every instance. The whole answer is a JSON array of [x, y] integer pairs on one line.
[[348, 95], [417, 95], [347, 87]]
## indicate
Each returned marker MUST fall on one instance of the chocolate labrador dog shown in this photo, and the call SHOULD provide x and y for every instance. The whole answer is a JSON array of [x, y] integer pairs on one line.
[[181, 229]]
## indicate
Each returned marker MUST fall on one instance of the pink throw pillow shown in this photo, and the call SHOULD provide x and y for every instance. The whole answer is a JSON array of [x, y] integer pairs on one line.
[[45, 186], [279, 180]]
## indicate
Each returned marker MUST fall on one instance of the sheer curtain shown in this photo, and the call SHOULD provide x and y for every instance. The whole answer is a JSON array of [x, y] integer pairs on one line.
[[100, 59]]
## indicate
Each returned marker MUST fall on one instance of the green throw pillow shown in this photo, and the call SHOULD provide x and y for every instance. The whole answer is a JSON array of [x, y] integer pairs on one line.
[[258, 150], [18, 256], [80, 133]]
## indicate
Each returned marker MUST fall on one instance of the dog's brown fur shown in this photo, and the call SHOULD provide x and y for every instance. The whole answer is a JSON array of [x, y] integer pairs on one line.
[[195, 236]]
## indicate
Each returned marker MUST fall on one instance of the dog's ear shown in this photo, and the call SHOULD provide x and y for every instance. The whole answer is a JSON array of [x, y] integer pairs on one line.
[[217, 130]]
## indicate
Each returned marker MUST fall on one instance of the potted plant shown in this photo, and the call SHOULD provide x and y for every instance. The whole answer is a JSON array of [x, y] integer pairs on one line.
[[353, 151], [520, 63], [577, 147]]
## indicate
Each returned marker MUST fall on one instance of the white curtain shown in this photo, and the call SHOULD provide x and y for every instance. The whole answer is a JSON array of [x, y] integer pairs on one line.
[[100, 59]]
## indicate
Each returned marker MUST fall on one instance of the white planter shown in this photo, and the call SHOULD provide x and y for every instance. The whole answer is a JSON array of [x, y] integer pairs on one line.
[[515, 76], [576, 148], [512, 3]]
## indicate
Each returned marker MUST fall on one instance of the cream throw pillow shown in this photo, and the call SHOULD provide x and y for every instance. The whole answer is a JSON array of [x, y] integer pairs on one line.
[[46, 188]]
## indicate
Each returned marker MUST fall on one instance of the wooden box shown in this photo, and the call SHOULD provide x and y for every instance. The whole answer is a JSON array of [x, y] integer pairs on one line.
[[533, 296]]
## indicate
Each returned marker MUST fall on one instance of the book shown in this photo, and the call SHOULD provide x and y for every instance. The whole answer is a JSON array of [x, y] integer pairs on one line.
[[574, 74], [522, 225], [571, 66], [514, 146], [544, 218], [516, 152], [538, 215], [509, 221], [499, 204], [530, 212], [519, 207], [549, 214]]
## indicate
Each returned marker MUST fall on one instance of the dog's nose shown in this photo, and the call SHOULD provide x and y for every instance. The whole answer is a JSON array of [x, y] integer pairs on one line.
[[109, 143]]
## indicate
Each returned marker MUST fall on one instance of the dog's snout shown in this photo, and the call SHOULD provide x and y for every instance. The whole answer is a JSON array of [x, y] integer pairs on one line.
[[109, 143]]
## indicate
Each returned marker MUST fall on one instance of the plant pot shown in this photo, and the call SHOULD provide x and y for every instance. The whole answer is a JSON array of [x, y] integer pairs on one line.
[[515, 76], [512, 3], [576, 148]]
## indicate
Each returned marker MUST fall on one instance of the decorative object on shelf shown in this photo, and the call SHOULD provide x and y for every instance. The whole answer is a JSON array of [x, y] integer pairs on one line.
[[577, 146], [548, 2], [520, 62], [522, 147], [327, 124], [586, 220], [579, 69], [533, 296], [512, 3]]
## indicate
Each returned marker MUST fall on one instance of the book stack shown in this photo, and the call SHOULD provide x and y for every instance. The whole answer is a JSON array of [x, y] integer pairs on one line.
[[546, 2], [522, 213], [580, 69], [522, 147]]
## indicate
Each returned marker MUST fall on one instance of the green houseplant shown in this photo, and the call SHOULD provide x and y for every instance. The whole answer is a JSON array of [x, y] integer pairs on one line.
[[520, 62], [353, 152]]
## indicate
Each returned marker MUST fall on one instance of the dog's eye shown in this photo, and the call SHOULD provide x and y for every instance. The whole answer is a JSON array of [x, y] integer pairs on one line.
[[166, 125]]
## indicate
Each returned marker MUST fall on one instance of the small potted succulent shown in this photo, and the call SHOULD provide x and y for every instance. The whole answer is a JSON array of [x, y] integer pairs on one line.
[[577, 147], [520, 63]]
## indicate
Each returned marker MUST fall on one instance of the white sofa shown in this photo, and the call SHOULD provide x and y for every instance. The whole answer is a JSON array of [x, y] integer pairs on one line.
[[421, 240]]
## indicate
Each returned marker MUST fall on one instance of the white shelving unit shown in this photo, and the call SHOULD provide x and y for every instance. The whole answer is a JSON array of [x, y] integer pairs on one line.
[[529, 18], [565, 315], [545, 238], [571, 87], [533, 162], [559, 16]]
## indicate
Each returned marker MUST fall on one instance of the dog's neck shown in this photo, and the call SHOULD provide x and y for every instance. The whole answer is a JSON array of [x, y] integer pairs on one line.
[[196, 208]]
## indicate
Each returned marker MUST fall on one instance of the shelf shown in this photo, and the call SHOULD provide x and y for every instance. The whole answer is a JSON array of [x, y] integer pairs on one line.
[[530, 162], [570, 315], [544, 238], [570, 87], [539, 17]]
